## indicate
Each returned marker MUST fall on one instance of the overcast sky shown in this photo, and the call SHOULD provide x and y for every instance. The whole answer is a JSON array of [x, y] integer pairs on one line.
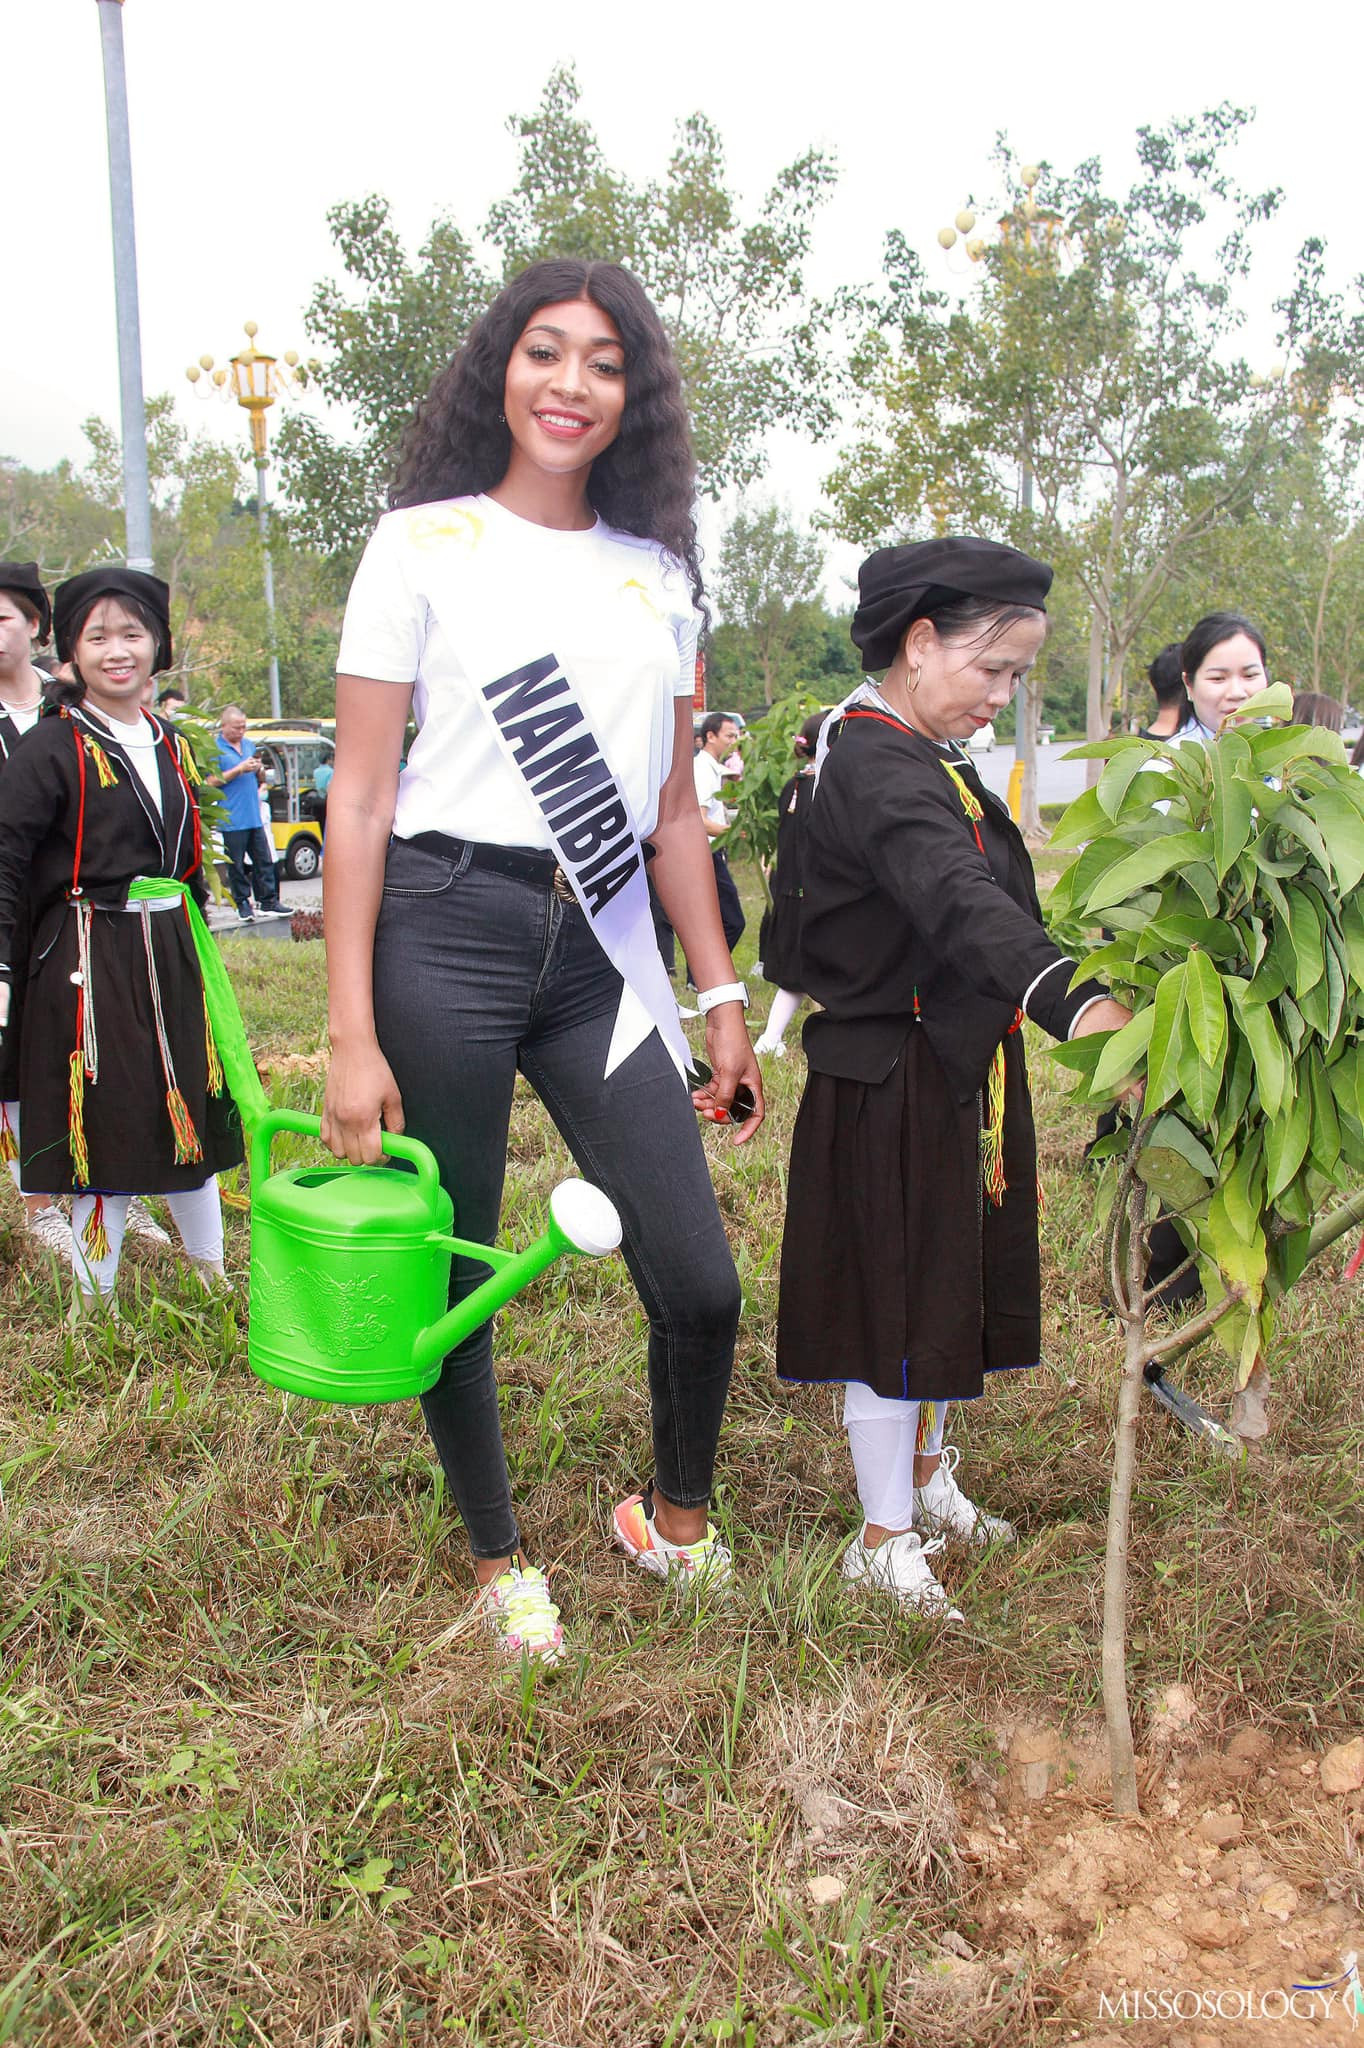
[[242, 141]]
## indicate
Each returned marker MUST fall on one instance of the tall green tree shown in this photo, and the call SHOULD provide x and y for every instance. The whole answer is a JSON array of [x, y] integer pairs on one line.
[[1085, 398], [768, 571], [750, 335]]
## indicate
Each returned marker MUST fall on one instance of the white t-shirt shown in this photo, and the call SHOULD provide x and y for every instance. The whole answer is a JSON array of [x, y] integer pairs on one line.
[[709, 778], [23, 717], [619, 617], [139, 743]]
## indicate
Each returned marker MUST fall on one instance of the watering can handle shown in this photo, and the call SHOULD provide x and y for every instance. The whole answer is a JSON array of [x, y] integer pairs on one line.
[[397, 1147]]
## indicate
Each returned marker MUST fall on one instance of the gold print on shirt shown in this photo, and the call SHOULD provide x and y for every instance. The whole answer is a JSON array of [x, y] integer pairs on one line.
[[636, 589], [428, 529]]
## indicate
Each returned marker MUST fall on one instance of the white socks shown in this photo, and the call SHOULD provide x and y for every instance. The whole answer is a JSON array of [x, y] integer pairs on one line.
[[884, 1438]]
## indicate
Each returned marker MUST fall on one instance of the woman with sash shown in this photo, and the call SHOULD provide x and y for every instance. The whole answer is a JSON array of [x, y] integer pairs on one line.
[[532, 601], [910, 1265], [120, 1087]]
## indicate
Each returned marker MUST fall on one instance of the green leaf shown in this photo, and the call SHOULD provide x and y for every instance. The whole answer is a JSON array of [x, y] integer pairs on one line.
[[1207, 1009], [1122, 1053], [1181, 930], [1169, 1175], [1171, 1131], [1274, 701], [1200, 1080], [1342, 830], [1233, 799], [1304, 930], [1162, 1060], [1243, 1191], [1325, 1141], [1266, 1047], [1113, 784], [1292, 818], [1081, 821], [1286, 1142], [1147, 864]]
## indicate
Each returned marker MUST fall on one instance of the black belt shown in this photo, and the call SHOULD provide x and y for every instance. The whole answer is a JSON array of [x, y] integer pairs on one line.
[[521, 863]]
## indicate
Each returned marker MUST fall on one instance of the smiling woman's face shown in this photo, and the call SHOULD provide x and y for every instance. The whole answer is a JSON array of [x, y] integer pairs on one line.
[[565, 387], [114, 657], [1229, 673]]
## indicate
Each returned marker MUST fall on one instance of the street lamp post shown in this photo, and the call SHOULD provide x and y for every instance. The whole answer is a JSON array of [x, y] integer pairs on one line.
[[256, 380], [137, 501]]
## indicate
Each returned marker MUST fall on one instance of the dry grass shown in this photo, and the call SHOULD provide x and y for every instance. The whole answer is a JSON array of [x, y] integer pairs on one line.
[[256, 1786]]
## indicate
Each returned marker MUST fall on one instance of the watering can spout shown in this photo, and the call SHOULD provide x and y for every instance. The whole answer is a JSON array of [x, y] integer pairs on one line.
[[581, 1219]]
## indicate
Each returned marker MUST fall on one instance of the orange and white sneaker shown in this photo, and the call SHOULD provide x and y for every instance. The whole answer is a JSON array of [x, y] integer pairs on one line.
[[521, 1616], [706, 1563]]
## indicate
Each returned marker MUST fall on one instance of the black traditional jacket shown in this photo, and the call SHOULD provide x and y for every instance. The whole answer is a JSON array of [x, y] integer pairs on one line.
[[121, 835], [917, 914]]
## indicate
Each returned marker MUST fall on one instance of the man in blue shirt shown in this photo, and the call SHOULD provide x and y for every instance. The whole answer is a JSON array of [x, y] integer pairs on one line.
[[239, 776]]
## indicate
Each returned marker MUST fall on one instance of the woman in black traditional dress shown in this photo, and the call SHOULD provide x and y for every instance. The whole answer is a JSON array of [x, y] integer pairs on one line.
[[910, 1262], [781, 930], [120, 1086]]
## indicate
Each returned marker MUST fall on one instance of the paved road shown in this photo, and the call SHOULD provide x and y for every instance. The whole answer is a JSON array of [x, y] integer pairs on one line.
[[1059, 780]]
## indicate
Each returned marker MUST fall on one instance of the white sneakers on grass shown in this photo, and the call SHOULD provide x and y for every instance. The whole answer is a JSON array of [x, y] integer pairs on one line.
[[899, 1566], [942, 1509]]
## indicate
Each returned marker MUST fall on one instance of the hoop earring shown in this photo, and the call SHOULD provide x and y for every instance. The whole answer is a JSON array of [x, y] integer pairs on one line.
[[918, 673]]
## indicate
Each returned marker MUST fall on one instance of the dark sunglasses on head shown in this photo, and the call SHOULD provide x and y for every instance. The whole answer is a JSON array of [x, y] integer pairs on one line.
[[743, 1106]]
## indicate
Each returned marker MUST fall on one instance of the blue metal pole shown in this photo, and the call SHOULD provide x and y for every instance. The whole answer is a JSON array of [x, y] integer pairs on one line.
[[137, 503]]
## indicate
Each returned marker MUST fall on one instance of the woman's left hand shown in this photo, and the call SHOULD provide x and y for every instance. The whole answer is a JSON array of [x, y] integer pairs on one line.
[[733, 1063]]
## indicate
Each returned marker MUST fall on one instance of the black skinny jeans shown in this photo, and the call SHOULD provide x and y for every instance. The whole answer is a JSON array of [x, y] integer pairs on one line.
[[475, 976]]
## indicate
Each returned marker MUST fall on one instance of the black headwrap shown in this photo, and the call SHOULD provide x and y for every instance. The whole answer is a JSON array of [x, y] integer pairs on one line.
[[23, 580], [896, 586], [74, 600]]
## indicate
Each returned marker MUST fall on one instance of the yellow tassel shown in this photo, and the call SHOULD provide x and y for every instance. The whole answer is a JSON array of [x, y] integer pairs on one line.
[[215, 1065], [992, 1132], [928, 1422], [187, 1146], [970, 802], [189, 767], [95, 1237], [75, 1121], [9, 1148], [103, 766]]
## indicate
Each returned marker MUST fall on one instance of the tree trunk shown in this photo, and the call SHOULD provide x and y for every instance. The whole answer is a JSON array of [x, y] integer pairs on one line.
[[1029, 718], [1096, 724], [1121, 1755]]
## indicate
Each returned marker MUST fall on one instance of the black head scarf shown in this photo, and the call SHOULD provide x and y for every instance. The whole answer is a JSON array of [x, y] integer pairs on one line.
[[74, 600], [22, 580], [896, 586]]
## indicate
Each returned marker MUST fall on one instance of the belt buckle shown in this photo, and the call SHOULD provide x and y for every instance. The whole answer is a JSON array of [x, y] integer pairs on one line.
[[561, 886]]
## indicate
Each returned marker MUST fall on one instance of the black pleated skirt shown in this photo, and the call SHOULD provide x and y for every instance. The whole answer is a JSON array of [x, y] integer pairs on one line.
[[895, 1268], [781, 944]]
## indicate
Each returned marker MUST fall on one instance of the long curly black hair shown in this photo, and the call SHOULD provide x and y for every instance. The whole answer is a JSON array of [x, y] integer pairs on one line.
[[458, 443]]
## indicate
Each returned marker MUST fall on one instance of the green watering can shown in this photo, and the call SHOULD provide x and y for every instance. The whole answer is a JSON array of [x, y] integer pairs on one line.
[[350, 1268]]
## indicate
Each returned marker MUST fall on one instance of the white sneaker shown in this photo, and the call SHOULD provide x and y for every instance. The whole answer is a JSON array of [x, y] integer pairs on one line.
[[942, 1509], [899, 1566], [523, 1619], [143, 1224], [50, 1229]]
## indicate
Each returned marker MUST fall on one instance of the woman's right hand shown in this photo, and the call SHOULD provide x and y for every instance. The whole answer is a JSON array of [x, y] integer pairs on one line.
[[361, 1099]]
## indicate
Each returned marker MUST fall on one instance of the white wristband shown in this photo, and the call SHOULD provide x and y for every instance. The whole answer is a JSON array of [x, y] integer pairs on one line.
[[727, 992]]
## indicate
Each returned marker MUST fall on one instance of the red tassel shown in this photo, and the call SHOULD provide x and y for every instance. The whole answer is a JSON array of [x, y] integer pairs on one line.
[[187, 1146]]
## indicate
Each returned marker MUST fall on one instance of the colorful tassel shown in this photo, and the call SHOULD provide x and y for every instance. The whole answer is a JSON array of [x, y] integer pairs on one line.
[[95, 1237], [9, 1145], [992, 1131], [928, 1422], [75, 1121], [215, 1065], [970, 802], [187, 1146], [104, 767]]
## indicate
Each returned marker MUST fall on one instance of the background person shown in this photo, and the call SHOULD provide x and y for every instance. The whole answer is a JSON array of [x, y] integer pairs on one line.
[[719, 740], [541, 554], [1166, 677], [25, 625], [1312, 707], [781, 933], [250, 856], [1224, 664], [119, 1086], [909, 1263]]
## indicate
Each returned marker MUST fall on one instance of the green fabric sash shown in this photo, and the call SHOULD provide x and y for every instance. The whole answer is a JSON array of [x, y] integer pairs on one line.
[[220, 1001]]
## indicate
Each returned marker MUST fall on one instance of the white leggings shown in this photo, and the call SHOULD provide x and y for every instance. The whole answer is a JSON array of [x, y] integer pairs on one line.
[[785, 1003], [884, 1438], [198, 1217]]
